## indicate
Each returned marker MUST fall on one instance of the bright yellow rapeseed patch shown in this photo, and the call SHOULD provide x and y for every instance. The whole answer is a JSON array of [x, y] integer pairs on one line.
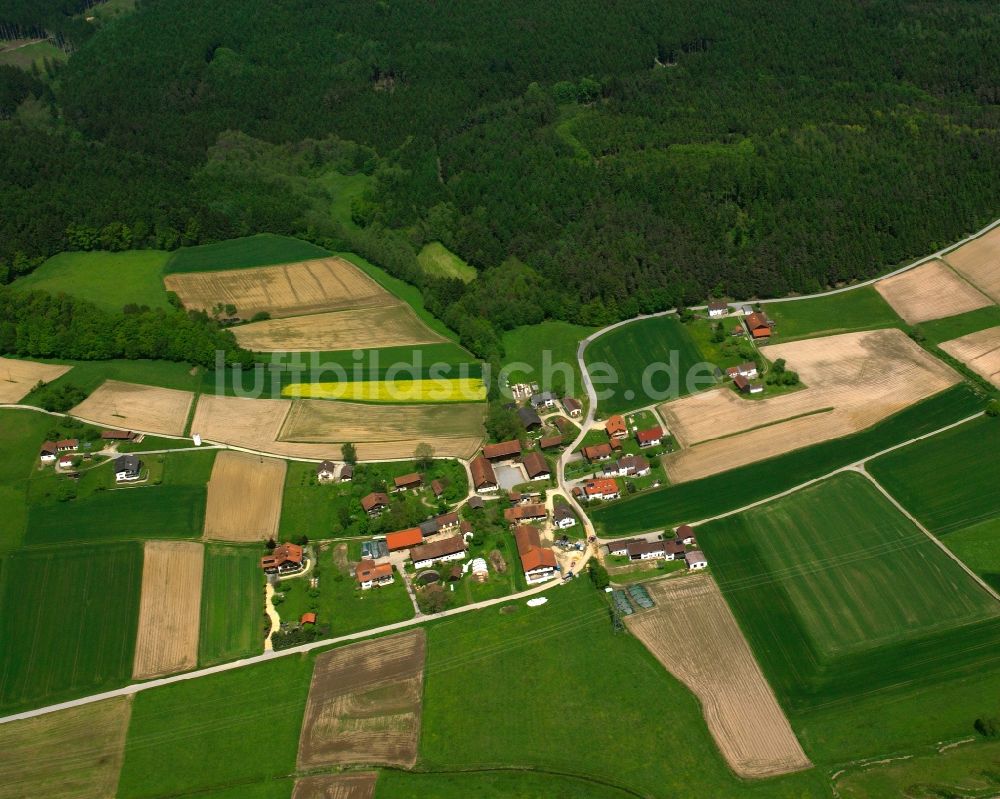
[[462, 389]]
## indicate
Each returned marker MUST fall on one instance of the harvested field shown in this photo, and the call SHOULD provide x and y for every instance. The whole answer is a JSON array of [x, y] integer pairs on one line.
[[17, 377], [364, 704], [244, 497], [931, 291], [979, 262], [130, 406], [363, 328], [170, 609], [306, 287], [360, 785], [316, 428], [740, 708], [979, 351], [852, 381], [65, 755]]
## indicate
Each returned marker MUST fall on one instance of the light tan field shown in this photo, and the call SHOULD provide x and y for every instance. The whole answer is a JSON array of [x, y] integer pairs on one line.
[[364, 704], [354, 785], [18, 378], [364, 328], [130, 406], [692, 632], [852, 381], [323, 284], [244, 497], [170, 608], [69, 754], [317, 428], [931, 291], [979, 351], [979, 262]]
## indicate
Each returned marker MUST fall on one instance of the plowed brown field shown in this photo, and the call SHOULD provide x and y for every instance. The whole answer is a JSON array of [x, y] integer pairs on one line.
[[17, 378], [979, 262], [323, 284], [852, 381], [244, 497], [356, 785], [170, 608], [931, 291], [364, 704], [67, 754], [130, 406], [692, 632], [979, 351]]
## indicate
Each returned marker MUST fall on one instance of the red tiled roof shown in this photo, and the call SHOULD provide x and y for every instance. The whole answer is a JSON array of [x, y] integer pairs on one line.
[[402, 539], [602, 485], [408, 480], [374, 500], [308, 618], [370, 570], [615, 426], [283, 553], [597, 451], [652, 434], [550, 441], [520, 512], [529, 547]]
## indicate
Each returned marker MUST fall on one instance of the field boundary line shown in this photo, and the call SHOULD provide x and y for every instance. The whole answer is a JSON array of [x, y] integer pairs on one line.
[[860, 469]]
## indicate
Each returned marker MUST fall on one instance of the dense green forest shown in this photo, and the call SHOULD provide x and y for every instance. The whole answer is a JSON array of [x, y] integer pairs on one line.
[[591, 161]]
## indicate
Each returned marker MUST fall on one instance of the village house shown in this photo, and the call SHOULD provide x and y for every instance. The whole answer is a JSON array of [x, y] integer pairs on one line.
[[650, 437], [597, 452], [685, 534], [572, 406], [68, 445], [543, 400], [408, 481], [536, 466], [285, 559], [47, 453], [127, 468], [442, 523], [325, 471], [550, 442], [748, 370], [524, 513], [529, 418], [475, 503], [437, 487], [620, 548], [404, 539], [673, 550], [370, 574], [538, 562], [374, 503], [758, 325], [446, 549], [563, 516], [117, 435], [717, 308], [645, 550], [601, 488], [347, 473], [615, 427], [634, 466], [505, 450], [695, 560], [614, 469], [745, 386], [65, 462], [746, 310], [483, 477]]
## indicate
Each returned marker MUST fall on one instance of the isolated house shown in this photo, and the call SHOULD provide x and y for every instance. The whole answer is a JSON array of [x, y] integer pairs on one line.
[[127, 468], [601, 488], [285, 559], [483, 477], [47, 453], [758, 325], [502, 451], [374, 503], [536, 466], [444, 550], [325, 471], [616, 427], [748, 370], [404, 539], [717, 308], [407, 481], [538, 562], [572, 406], [563, 516], [696, 560], [529, 418], [370, 574], [650, 437]]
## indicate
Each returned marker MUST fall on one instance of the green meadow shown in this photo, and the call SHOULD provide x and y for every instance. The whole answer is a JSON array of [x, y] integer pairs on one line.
[[710, 496], [232, 604], [630, 349], [110, 280], [68, 620], [946, 329], [847, 312], [264, 249], [21, 434], [948, 481], [437, 260], [551, 344], [978, 547], [88, 375]]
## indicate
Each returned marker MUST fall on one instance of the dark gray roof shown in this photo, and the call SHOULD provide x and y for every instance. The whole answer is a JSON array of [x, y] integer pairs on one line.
[[529, 417], [429, 527], [476, 502], [562, 512], [127, 463]]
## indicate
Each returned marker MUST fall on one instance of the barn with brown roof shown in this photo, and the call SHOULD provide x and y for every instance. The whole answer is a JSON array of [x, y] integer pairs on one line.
[[758, 325], [374, 503], [536, 466], [483, 477], [503, 450], [407, 481], [538, 562]]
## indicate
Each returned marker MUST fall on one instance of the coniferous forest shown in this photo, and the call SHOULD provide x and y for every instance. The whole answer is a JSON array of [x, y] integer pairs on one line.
[[590, 164]]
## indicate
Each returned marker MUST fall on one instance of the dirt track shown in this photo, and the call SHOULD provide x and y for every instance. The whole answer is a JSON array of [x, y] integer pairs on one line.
[[244, 497], [364, 704], [852, 381], [692, 632], [130, 406], [979, 351], [356, 785], [931, 291], [18, 378], [979, 262], [170, 608]]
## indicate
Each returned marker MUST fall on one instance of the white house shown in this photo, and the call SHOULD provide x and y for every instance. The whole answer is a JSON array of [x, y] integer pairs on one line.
[[442, 551], [538, 562], [615, 469], [543, 400], [47, 454], [748, 370], [645, 550], [620, 547], [325, 471], [685, 534], [563, 517], [717, 308], [695, 560], [370, 574], [128, 469]]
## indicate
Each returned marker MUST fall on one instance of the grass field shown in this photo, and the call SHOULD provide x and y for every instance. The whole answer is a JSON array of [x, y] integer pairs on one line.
[[21, 432], [88, 375], [530, 343], [232, 604], [264, 249], [491, 785], [437, 260], [701, 499], [949, 481], [248, 720], [110, 280], [978, 546], [400, 390], [859, 309], [344, 189], [22, 55], [839, 594], [629, 350], [957, 326], [67, 621]]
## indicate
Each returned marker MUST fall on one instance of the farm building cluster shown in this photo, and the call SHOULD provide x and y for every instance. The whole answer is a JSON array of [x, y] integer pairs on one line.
[[654, 547]]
